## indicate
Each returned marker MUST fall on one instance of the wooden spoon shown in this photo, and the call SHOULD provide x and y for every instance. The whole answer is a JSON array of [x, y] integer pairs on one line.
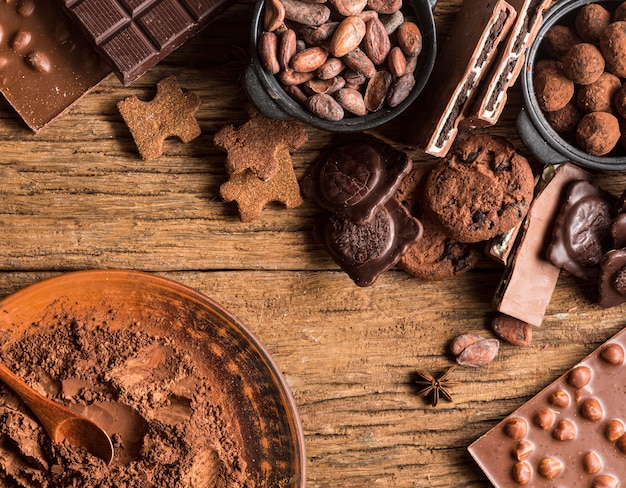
[[60, 422]]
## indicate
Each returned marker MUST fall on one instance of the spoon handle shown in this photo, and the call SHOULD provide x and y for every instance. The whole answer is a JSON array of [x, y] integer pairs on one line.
[[50, 416]]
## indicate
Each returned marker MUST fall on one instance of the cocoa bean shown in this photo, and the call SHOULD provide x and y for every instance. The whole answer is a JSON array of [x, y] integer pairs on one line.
[[410, 38], [459, 343], [296, 93], [480, 353], [400, 89], [358, 61], [352, 101], [306, 13], [396, 61], [376, 91], [346, 8], [316, 85], [325, 106], [291, 77], [368, 15], [354, 78], [347, 37], [268, 46], [411, 64], [392, 21], [384, 6], [331, 68], [286, 47], [308, 60], [376, 43], [512, 330], [273, 15], [319, 36]]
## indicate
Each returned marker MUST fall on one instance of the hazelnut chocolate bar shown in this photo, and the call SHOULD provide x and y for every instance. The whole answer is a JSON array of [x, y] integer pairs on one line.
[[134, 35], [570, 434], [529, 279], [471, 46], [492, 93], [47, 65]]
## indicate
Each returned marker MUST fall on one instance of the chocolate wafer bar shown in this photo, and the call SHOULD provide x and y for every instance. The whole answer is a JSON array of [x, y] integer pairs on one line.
[[134, 35], [492, 93], [46, 63], [571, 434], [529, 279], [471, 46]]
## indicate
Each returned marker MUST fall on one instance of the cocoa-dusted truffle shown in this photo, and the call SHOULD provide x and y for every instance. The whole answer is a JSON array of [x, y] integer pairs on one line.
[[583, 63], [598, 96], [591, 20], [565, 120], [547, 63], [553, 89], [620, 101], [620, 13], [598, 133], [558, 40], [613, 46]]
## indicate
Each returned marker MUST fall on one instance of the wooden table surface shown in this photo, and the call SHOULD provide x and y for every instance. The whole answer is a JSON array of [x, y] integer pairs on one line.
[[77, 196]]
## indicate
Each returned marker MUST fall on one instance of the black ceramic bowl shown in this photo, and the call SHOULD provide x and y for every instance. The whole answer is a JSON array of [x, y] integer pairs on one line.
[[271, 100], [534, 130]]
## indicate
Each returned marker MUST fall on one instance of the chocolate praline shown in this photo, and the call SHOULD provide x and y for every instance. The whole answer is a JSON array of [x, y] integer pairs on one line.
[[612, 284], [364, 251], [354, 179]]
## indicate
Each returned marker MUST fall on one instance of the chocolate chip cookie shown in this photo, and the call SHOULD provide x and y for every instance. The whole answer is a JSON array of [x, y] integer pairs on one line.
[[481, 189]]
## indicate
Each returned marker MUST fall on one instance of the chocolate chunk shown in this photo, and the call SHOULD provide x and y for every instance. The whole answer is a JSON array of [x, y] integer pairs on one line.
[[135, 35], [355, 179], [581, 232], [46, 63], [364, 251], [529, 280], [582, 447]]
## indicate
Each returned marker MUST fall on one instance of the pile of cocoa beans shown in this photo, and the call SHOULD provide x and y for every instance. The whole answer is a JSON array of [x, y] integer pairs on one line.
[[340, 58]]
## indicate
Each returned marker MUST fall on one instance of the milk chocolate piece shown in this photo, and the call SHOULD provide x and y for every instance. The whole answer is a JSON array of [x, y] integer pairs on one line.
[[578, 430], [354, 179], [582, 231], [529, 280], [47, 65], [365, 251], [134, 35], [463, 61], [492, 94]]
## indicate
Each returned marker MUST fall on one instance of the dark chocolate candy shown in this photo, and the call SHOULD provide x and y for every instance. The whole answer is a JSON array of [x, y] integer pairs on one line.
[[612, 285], [581, 233], [618, 231], [355, 179], [364, 251], [134, 35], [570, 434], [46, 63]]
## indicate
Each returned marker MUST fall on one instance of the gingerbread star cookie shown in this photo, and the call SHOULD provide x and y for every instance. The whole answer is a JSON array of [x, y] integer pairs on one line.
[[256, 146], [170, 113], [252, 194]]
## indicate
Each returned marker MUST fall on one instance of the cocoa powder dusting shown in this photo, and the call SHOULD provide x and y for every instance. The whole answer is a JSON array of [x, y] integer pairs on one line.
[[167, 423]]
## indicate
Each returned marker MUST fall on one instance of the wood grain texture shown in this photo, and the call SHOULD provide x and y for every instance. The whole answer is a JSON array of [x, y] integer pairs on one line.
[[77, 196]]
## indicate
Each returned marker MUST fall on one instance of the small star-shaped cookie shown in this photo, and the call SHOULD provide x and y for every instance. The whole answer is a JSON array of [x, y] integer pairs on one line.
[[252, 194], [170, 113], [257, 144]]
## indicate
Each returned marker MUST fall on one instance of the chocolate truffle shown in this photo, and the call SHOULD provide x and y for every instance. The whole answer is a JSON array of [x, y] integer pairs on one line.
[[620, 101], [565, 120], [547, 63], [583, 63], [598, 133], [553, 89], [613, 46], [591, 20], [558, 40], [598, 96], [620, 13]]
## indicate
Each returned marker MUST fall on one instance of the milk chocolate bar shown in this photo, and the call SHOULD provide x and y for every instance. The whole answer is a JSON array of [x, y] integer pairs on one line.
[[492, 93], [471, 46], [46, 63], [570, 434], [134, 35], [529, 279]]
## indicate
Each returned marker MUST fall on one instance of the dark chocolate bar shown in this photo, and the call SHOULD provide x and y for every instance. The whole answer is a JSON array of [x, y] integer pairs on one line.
[[46, 63], [571, 434], [134, 35]]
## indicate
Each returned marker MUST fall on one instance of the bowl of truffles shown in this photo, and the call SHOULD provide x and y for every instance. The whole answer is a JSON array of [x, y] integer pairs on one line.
[[574, 86], [340, 65]]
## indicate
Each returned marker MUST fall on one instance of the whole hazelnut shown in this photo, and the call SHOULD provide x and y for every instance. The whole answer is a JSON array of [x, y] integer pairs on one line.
[[613, 430], [543, 418], [598, 96], [612, 354], [591, 409], [591, 462], [613, 47], [583, 63], [550, 467], [565, 430], [604, 481], [598, 133], [521, 473], [515, 428], [553, 89], [591, 20], [579, 376], [559, 398]]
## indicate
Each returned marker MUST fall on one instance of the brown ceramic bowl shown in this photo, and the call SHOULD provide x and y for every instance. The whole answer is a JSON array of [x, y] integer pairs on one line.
[[260, 404]]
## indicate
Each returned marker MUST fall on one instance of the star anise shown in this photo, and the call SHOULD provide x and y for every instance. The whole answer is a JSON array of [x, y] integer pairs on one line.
[[436, 387]]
